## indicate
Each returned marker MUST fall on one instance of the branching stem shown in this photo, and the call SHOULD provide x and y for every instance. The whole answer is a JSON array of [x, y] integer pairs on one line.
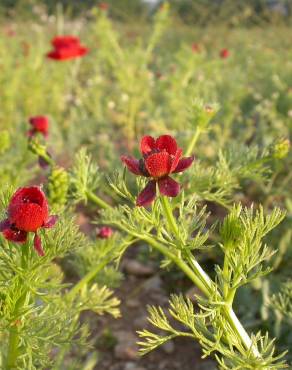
[[196, 274], [13, 344], [193, 141]]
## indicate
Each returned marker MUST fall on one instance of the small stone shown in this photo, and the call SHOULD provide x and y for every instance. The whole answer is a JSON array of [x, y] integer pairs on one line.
[[207, 365], [136, 268], [132, 366], [153, 284], [141, 322], [126, 348], [133, 303]]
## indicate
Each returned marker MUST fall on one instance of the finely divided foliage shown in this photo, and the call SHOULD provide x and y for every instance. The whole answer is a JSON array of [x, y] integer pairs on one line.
[[168, 206]]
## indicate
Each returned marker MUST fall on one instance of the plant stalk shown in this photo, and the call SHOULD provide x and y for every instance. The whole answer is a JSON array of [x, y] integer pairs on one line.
[[193, 142], [13, 343], [196, 274], [98, 201], [206, 285]]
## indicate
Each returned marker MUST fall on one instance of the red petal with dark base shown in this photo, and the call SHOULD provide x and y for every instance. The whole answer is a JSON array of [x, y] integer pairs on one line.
[[51, 221], [168, 143], [147, 144], [39, 124], [28, 209], [183, 164], [38, 245], [175, 159], [147, 195], [168, 187], [158, 164], [16, 236], [132, 164], [27, 217]]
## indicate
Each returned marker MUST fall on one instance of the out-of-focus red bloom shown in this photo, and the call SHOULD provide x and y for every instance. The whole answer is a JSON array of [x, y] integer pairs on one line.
[[105, 232], [161, 157], [28, 211], [67, 47], [40, 124], [195, 47], [224, 53], [103, 6]]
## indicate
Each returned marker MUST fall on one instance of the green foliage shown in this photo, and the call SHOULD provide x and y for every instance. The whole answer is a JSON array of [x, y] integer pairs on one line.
[[282, 301], [85, 176], [58, 186]]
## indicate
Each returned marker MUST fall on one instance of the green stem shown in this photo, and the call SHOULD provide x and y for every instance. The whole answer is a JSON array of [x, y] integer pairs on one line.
[[196, 274], [13, 344], [169, 215], [98, 201], [86, 279], [180, 263], [193, 142], [47, 158], [203, 281]]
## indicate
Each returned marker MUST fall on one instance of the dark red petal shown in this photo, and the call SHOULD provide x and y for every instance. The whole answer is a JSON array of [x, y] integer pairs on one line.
[[132, 164], [168, 143], [38, 245], [28, 208], [51, 221], [16, 236], [27, 216], [175, 159], [147, 144], [65, 41], [183, 164], [168, 187], [158, 164], [4, 225], [147, 195]]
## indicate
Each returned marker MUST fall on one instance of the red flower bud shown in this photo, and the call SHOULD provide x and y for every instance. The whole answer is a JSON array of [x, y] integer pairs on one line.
[[27, 212], [224, 53], [40, 124], [195, 47], [66, 47], [103, 6], [161, 157], [105, 232]]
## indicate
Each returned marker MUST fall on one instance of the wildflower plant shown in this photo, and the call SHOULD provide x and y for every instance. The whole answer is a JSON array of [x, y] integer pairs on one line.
[[39, 312]]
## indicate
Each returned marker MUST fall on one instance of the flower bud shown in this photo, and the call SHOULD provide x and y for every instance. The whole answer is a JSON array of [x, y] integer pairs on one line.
[[280, 149], [58, 185]]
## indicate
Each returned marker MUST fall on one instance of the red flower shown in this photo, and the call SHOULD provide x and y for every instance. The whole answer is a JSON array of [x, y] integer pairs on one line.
[[196, 48], [161, 157], [224, 53], [39, 124], [105, 232], [67, 47], [103, 6], [28, 211]]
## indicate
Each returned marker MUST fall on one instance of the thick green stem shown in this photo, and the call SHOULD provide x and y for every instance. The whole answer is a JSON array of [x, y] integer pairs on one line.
[[193, 142], [169, 215], [98, 201]]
